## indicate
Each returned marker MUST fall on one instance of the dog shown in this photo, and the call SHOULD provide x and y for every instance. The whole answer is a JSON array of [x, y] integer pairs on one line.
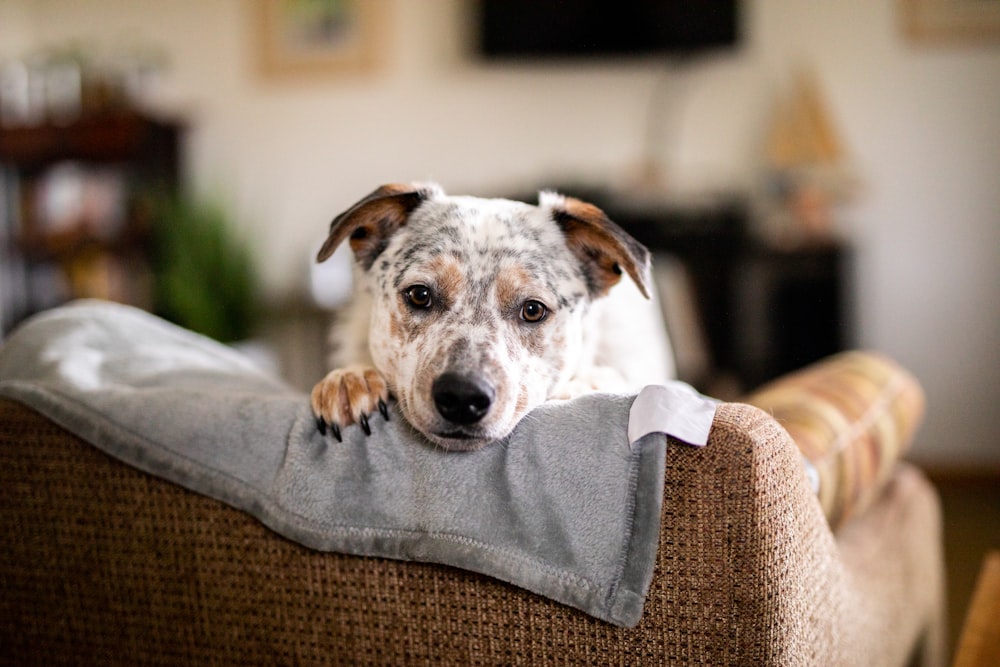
[[472, 311]]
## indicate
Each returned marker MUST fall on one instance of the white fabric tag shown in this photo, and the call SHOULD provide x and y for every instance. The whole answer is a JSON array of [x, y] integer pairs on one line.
[[674, 409]]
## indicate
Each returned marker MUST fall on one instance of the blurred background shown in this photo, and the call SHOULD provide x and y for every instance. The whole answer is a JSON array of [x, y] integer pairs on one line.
[[832, 123], [812, 176], [828, 173]]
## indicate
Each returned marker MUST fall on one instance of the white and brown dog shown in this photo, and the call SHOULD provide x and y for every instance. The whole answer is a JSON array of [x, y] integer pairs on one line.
[[471, 312]]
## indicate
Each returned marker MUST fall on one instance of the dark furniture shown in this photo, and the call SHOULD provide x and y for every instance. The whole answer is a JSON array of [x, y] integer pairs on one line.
[[793, 308], [72, 222]]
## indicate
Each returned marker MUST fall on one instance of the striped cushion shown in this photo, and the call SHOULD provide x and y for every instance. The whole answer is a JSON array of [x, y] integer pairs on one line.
[[853, 416]]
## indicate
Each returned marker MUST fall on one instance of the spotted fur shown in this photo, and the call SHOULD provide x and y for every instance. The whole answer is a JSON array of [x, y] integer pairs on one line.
[[502, 297]]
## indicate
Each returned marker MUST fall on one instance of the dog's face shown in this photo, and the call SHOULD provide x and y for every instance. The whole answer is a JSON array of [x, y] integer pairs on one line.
[[478, 304]]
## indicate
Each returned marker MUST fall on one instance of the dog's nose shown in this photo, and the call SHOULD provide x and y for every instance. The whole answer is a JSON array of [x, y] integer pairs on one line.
[[462, 399]]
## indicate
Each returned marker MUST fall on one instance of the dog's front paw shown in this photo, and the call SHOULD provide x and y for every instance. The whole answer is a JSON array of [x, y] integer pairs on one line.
[[349, 396]]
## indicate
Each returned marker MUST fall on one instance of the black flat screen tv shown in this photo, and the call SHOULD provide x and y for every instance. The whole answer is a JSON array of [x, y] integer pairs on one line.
[[573, 29]]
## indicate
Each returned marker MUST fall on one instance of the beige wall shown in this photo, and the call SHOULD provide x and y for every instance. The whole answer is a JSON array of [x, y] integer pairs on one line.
[[922, 123]]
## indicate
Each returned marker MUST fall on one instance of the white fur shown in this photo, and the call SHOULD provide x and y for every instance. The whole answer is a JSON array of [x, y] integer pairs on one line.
[[484, 259]]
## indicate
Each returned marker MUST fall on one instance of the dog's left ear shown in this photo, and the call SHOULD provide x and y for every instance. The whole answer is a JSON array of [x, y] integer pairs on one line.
[[371, 221], [603, 248]]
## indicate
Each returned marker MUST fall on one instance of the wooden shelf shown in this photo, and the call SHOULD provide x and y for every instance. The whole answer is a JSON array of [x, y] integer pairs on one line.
[[59, 248], [112, 137]]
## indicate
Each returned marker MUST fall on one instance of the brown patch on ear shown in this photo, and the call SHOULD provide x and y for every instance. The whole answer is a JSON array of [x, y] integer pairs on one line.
[[371, 222], [603, 248]]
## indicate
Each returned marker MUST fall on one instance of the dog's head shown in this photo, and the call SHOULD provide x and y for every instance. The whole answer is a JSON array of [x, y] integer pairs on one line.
[[478, 304]]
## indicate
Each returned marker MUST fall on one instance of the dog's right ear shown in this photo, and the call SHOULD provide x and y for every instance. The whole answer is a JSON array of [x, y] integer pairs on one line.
[[371, 221], [603, 248]]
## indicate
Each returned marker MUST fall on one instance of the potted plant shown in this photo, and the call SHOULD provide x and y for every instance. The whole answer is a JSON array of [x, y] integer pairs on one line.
[[204, 278]]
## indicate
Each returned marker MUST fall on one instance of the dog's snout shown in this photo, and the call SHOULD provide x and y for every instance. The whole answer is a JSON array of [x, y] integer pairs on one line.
[[462, 399]]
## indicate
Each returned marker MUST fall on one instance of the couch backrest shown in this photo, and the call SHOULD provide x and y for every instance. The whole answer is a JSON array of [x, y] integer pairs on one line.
[[106, 563]]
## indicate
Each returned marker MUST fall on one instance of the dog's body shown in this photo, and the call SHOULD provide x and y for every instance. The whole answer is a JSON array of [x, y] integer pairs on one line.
[[471, 312]]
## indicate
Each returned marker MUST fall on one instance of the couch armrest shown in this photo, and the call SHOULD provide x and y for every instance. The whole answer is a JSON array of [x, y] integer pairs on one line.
[[764, 575], [105, 563]]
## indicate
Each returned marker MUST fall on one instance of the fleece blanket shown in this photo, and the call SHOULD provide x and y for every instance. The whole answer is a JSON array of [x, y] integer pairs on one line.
[[567, 507]]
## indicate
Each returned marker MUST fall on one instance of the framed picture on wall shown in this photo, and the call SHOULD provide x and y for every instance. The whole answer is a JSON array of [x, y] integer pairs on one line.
[[952, 21], [317, 37]]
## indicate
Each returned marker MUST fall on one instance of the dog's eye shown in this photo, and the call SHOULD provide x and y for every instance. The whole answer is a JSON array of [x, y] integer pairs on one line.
[[418, 296], [533, 311]]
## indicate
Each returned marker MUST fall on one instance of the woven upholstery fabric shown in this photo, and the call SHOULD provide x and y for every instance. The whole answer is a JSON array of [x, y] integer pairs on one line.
[[103, 564], [853, 416]]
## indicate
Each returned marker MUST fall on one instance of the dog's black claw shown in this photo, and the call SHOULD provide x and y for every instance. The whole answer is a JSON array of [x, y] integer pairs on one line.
[[383, 409], [321, 425], [336, 432], [365, 426]]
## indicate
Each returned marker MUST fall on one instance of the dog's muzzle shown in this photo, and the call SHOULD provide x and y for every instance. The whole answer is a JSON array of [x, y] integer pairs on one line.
[[462, 399]]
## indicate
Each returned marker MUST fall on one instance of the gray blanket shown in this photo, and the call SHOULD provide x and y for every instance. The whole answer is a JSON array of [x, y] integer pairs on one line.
[[565, 507]]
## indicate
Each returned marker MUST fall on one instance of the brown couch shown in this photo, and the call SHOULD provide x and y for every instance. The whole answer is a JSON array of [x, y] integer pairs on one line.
[[103, 564]]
